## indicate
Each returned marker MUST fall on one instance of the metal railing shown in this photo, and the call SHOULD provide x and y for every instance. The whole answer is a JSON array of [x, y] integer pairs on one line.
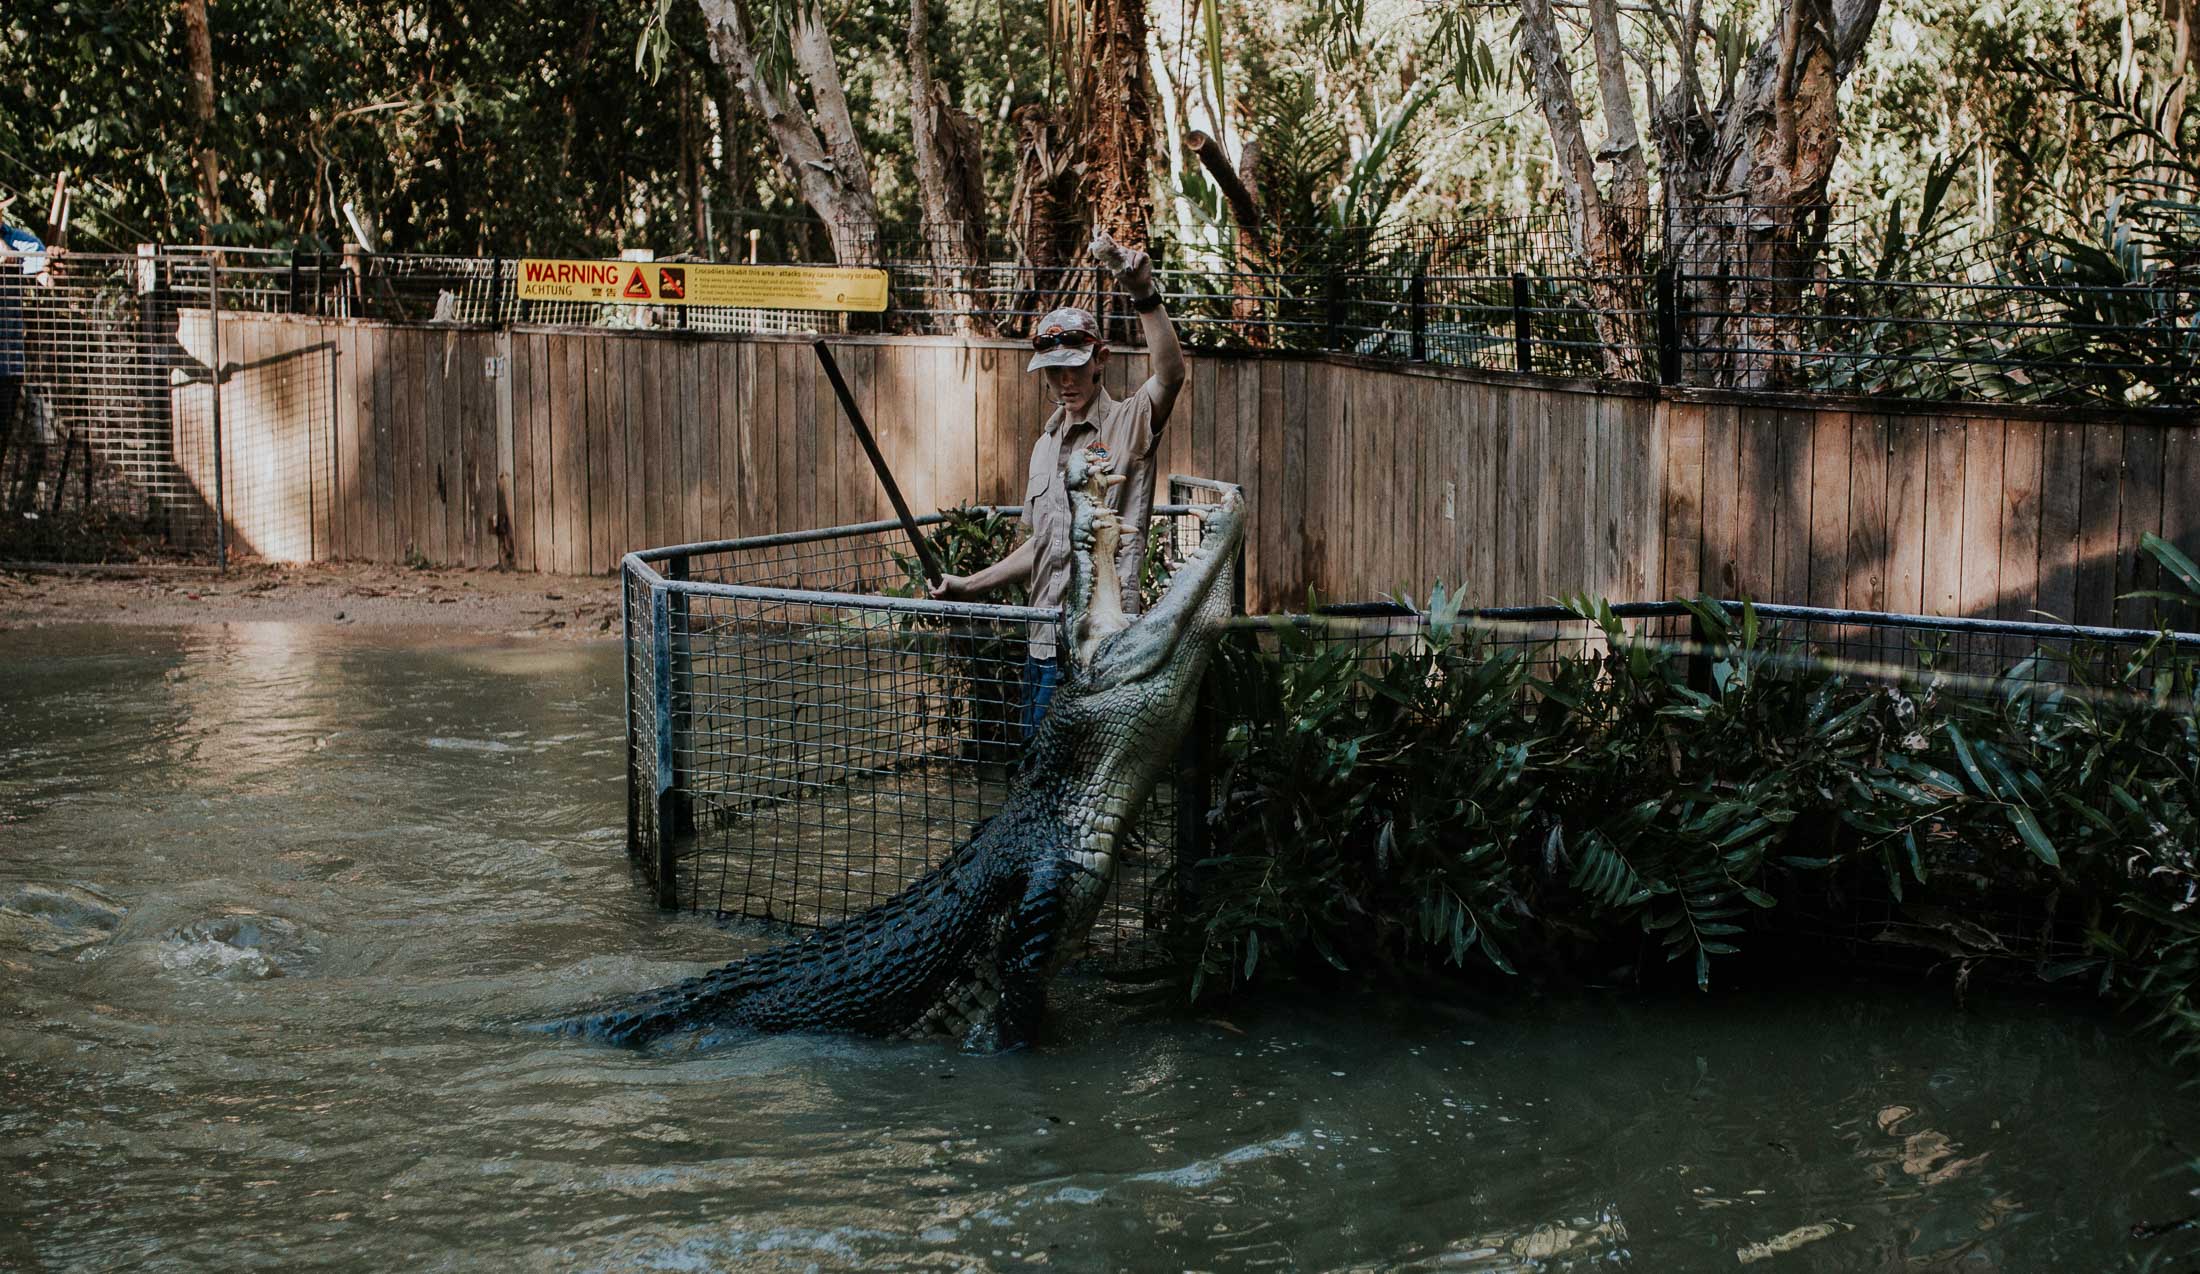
[[805, 739], [1726, 305]]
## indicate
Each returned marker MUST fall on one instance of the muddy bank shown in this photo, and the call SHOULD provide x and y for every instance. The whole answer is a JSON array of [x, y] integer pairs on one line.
[[560, 606]]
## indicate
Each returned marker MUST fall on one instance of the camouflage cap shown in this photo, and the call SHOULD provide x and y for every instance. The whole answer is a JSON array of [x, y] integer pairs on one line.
[[1070, 321]]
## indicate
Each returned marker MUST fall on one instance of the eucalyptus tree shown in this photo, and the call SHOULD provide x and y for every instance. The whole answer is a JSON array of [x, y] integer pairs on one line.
[[820, 151], [1746, 149]]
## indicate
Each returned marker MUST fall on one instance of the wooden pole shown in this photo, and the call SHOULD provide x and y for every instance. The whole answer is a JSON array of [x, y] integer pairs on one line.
[[932, 572]]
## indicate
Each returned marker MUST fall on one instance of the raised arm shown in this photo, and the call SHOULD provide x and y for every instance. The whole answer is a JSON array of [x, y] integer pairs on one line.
[[1133, 270]]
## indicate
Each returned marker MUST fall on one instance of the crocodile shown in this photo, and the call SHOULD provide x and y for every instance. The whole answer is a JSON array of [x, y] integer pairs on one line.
[[967, 950]]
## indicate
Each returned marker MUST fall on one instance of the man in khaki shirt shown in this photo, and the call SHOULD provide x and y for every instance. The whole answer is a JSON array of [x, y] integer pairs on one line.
[[1070, 350]]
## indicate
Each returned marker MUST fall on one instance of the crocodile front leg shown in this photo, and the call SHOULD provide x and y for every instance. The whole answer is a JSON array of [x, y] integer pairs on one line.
[[1031, 942]]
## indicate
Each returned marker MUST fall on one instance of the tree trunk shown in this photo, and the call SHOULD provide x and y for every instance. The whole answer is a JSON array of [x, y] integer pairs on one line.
[[200, 51], [950, 183], [1252, 258], [1045, 218], [731, 145], [1608, 226], [691, 172], [830, 172], [1115, 123], [1745, 189]]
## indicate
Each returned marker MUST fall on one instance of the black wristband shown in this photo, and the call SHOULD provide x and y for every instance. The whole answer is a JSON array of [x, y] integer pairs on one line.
[[1148, 303]]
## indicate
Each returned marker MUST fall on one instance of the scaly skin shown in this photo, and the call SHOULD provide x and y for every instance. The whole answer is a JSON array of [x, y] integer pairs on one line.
[[967, 950]]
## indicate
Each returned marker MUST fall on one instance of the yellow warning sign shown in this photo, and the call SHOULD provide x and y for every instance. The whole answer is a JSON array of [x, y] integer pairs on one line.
[[756, 287]]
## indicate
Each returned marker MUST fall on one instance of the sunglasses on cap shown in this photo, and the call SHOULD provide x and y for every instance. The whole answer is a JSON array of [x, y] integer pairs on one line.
[[1061, 340]]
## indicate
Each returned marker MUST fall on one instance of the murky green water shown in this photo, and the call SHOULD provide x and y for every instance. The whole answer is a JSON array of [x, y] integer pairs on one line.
[[267, 892]]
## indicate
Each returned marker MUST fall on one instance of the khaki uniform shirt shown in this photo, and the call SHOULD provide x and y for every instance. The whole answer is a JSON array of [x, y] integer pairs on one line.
[[1125, 427]]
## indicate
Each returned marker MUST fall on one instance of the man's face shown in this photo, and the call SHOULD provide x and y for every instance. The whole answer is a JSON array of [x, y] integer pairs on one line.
[[1076, 388]]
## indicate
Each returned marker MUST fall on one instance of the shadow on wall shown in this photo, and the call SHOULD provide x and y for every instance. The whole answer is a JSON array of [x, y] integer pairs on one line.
[[1938, 514], [277, 408]]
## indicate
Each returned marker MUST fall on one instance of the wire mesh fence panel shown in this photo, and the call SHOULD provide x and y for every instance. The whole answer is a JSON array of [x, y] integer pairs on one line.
[[96, 354], [806, 739]]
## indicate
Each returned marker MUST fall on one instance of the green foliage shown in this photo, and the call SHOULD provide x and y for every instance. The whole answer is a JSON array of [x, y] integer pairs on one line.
[[979, 661], [1446, 800], [971, 538], [2097, 311]]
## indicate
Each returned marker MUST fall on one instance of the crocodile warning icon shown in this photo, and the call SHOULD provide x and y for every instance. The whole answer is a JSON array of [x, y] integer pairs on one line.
[[637, 287]]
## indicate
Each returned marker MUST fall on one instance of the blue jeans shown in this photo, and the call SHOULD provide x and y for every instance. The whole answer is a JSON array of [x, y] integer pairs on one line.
[[1040, 678]]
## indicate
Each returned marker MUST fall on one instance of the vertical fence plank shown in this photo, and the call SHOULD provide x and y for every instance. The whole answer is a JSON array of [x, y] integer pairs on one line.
[[854, 480], [1865, 560], [755, 480], [2062, 485], [409, 441], [798, 414], [1908, 459], [522, 373], [1827, 529], [1649, 458], [1001, 462], [478, 448], [721, 507], [1790, 508], [667, 478], [1271, 509], [344, 458], [576, 514], [1683, 512], [2018, 561], [541, 376], [1291, 566], [2181, 498], [2099, 512], [475, 454], [1757, 493], [1944, 455], [2141, 513], [698, 439], [1722, 450], [1316, 452], [1978, 592], [467, 465], [431, 526], [321, 374], [628, 411], [610, 533]]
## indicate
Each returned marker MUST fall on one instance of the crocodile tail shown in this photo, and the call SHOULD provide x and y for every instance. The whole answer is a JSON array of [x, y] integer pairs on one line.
[[645, 1016]]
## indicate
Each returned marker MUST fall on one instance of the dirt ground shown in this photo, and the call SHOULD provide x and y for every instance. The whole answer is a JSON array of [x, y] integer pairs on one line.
[[476, 601]]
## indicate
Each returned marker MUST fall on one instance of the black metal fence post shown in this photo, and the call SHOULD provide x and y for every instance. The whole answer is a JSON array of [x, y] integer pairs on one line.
[[1332, 307], [214, 382], [669, 786], [683, 697], [496, 290], [1667, 317], [1417, 300], [628, 671], [1523, 349]]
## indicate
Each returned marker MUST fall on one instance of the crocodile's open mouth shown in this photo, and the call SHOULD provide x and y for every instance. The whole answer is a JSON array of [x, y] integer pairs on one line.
[[1108, 646]]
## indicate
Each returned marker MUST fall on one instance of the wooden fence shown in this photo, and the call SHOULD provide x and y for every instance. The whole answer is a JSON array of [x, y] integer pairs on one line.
[[559, 450]]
